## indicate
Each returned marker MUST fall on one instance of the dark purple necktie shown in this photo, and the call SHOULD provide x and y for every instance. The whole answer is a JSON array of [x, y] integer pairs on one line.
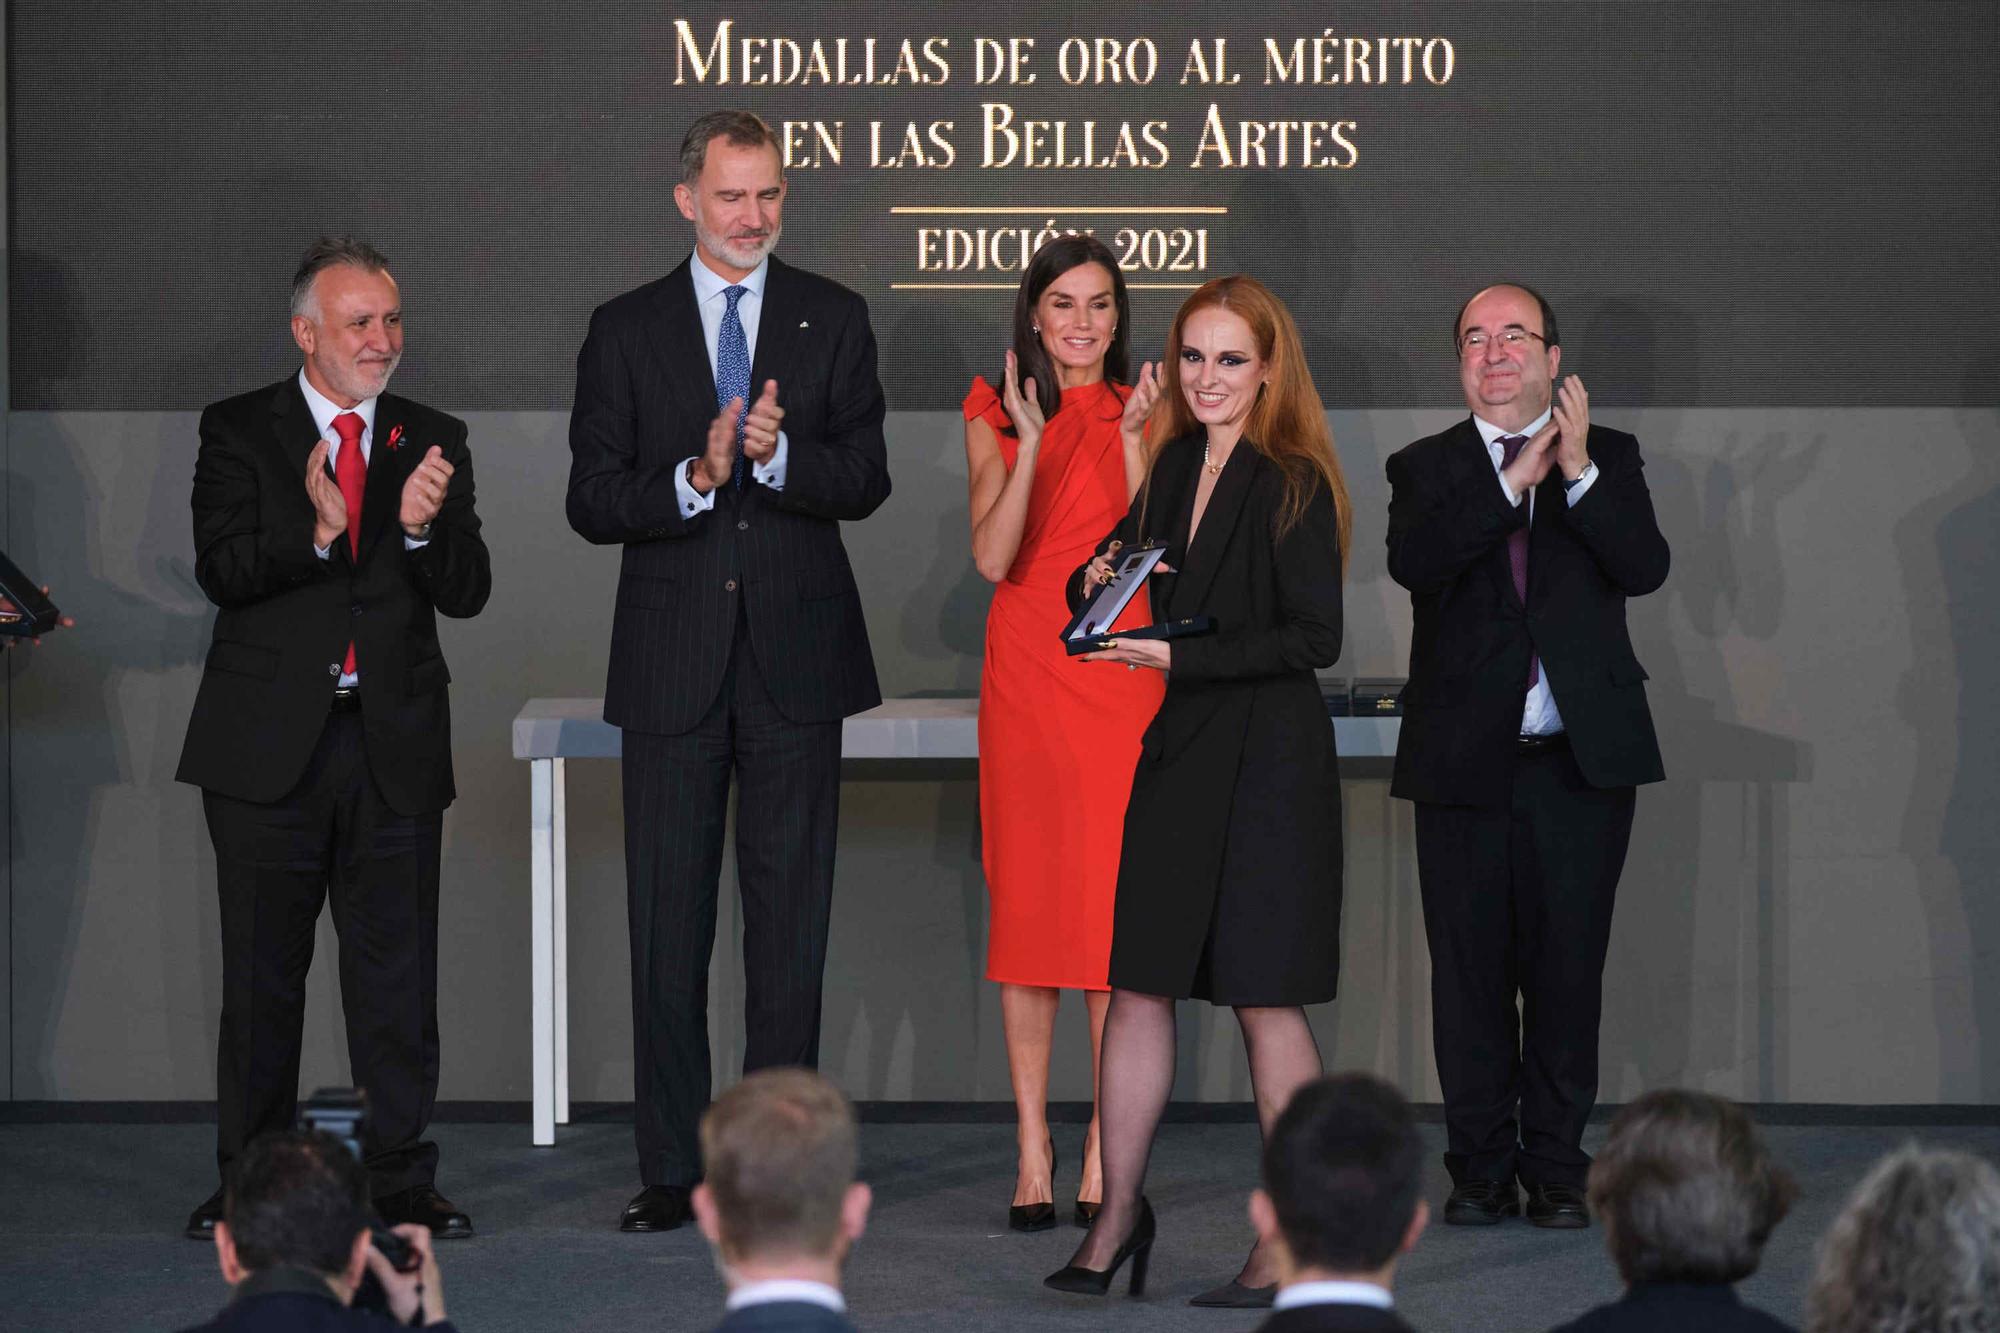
[[1517, 544]]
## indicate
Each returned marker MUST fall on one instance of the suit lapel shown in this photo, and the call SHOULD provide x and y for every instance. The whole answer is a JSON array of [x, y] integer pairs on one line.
[[777, 329], [1208, 542], [675, 331], [292, 424], [388, 467], [1550, 500]]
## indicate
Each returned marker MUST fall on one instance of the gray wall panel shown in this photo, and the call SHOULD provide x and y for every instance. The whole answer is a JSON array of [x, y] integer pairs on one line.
[[1814, 882]]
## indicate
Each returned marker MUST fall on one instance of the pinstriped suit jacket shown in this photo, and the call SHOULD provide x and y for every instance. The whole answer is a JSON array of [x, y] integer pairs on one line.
[[645, 396]]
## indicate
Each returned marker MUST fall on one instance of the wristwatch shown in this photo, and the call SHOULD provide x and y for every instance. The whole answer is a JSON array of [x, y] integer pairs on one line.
[[1571, 483], [422, 534]]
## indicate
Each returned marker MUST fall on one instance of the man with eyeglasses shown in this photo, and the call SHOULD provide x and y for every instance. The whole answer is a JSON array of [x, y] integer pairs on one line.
[[1519, 533]]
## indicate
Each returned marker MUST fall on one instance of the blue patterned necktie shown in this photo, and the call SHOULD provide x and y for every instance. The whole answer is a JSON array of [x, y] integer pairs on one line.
[[732, 373]]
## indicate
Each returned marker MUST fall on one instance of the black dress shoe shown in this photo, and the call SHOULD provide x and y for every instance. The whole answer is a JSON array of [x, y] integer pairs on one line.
[[1481, 1203], [1034, 1216], [423, 1205], [1233, 1295], [1138, 1247], [1561, 1206], [1031, 1216], [201, 1222], [657, 1208]]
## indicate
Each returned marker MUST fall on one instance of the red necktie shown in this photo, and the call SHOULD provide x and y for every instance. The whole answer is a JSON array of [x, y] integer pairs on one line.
[[350, 469], [1517, 545]]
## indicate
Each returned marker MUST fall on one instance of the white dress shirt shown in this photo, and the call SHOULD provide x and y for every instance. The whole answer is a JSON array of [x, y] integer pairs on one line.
[[786, 1289], [1333, 1293], [1538, 716], [324, 410], [709, 299]]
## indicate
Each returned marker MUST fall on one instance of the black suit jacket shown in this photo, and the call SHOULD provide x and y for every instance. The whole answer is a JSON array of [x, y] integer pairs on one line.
[[645, 396], [286, 615], [1337, 1318], [1241, 703], [287, 1300], [1671, 1307], [784, 1316], [1472, 639]]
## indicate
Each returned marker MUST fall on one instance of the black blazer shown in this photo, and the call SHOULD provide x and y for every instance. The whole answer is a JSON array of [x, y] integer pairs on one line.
[[286, 615], [1671, 1307], [645, 396], [286, 1300], [1337, 1318], [1241, 705], [783, 1316], [1471, 639]]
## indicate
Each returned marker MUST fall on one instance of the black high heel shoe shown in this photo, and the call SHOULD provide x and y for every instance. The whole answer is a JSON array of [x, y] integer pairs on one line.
[[1035, 1216], [1086, 1213], [1138, 1247]]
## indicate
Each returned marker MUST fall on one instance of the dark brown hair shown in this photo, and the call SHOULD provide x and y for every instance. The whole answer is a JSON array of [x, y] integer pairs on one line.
[[1344, 1168], [1050, 262]]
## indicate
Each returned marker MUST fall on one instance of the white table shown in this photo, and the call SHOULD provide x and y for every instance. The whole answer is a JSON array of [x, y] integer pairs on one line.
[[549, 732]]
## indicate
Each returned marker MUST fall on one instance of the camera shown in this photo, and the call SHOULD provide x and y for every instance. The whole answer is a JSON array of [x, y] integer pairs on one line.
[[343, 1113]]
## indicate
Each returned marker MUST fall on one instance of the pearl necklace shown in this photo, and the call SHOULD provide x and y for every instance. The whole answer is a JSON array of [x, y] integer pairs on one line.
[[1213, 469]]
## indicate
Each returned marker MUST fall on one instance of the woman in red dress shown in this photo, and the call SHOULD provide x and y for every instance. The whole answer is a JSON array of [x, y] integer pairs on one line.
[[1052, 459]]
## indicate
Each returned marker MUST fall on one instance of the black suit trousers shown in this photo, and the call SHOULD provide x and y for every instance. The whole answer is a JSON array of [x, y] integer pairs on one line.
[[275, 865], [676, 807], [1517, 908]]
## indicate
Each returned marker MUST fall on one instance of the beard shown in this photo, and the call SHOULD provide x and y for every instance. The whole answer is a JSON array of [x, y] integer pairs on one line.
[[746, 252], [362, 382]]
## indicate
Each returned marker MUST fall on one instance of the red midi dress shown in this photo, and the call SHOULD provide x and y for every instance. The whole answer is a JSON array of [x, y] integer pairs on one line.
[[1058, 738]]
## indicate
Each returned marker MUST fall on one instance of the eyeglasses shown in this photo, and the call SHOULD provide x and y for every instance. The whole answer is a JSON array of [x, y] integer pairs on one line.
[[1476, 340]]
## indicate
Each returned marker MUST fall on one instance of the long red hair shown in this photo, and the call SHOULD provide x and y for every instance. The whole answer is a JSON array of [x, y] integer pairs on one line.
[[1287, 423]]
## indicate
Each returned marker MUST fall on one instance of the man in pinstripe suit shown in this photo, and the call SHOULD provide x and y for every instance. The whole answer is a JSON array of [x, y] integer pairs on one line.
[[737, 645]]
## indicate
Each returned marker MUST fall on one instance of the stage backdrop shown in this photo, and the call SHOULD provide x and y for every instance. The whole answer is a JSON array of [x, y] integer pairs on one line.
[[1767, 230]]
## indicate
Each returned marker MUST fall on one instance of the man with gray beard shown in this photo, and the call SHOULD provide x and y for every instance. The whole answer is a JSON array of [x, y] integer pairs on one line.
[[333, 524], [727, 420]]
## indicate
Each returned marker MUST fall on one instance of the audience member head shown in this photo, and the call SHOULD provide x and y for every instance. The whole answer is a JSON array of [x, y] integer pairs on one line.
[[1916, 1250], [1685, 1190], [1071, 313], [297, 1199], [1236, 367], [779, 1197], [1343, 1175]]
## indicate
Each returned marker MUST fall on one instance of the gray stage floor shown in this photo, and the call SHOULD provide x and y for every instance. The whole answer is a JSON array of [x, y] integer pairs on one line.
[[89, 1237]]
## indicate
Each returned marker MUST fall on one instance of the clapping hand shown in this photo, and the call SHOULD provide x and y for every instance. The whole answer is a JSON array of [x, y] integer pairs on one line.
[[1024, 409], [760, 428], [1139, 407], [423, 492], [1572, 421], [1532, 463], [329, 505], [718, 460]]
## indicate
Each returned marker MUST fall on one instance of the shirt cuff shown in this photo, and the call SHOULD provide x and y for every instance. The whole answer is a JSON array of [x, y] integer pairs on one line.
[[1576, 489], [413, 544], [323, 552], [692, 501], [1513, 496], [771, 472]]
